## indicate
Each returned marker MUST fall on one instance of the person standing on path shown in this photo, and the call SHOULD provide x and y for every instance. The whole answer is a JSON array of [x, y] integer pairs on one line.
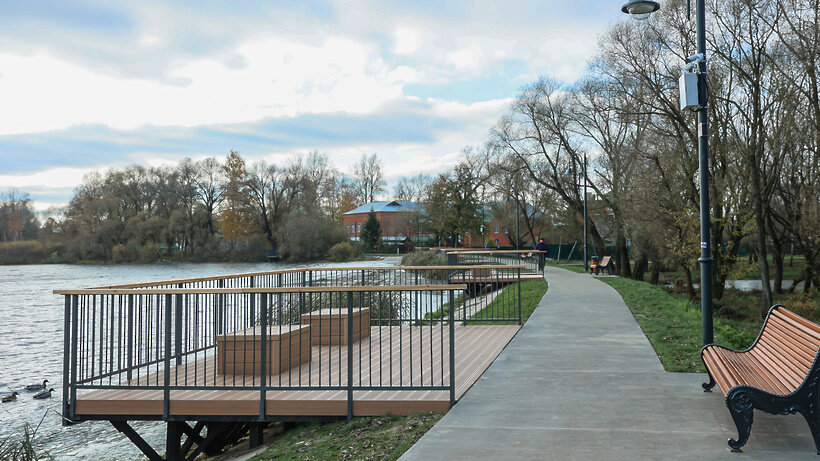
[[542, 247]]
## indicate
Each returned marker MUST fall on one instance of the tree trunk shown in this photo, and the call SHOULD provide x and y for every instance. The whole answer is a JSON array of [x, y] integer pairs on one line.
[[622, 257], [777, 257], [640, 268], [690, 288], [655, 274]]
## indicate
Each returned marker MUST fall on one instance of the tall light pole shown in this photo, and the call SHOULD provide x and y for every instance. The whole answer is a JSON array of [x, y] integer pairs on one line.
[[586, 214], [641, 9]]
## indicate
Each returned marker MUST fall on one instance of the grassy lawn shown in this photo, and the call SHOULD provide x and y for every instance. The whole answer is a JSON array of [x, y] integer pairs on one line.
[[673, 324], [379, 438], [531, 293]]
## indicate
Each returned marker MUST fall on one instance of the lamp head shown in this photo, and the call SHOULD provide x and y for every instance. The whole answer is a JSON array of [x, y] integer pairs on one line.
[[640, 9]]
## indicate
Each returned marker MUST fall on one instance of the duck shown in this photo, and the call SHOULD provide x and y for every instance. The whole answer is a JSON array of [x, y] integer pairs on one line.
[[44, 394], [37, 387], [10, 398]]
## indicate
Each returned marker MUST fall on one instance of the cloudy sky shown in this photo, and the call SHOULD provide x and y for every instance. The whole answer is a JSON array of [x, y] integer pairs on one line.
[[90, 85]]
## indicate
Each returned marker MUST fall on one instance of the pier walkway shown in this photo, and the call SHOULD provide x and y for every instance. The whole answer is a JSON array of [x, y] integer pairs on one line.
[[580, 381]]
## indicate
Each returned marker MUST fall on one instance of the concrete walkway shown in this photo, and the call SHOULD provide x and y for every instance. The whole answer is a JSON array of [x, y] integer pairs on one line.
[[580, 381]]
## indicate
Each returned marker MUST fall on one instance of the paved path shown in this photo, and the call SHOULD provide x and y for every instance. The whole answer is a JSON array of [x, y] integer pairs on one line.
[[580, 381]]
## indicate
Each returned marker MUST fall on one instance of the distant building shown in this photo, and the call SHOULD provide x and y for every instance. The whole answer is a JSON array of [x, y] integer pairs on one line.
[[398, 220]]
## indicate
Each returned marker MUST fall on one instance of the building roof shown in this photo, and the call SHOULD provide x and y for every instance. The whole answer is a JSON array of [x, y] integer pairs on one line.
[[387, 207]]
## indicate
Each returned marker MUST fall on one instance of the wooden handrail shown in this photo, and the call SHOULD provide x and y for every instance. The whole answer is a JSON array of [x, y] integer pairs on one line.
[[171, 291], [294, 271]]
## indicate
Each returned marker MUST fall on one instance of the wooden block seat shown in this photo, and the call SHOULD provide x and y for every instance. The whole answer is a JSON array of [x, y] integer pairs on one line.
[[240, 352], [779, 374], [329, 326]]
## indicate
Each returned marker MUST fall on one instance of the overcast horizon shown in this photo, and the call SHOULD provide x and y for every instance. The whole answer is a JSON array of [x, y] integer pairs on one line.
[[94, 85]]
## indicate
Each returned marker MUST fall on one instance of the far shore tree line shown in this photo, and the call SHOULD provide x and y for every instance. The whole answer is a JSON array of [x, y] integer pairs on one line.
[[623, 114]]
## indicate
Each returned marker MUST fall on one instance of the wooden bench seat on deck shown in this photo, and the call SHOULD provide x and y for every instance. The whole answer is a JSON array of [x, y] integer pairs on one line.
[[240, 352], [329, 326], [778, 374]]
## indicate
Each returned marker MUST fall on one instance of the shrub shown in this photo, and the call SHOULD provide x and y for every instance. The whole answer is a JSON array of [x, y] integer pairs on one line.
[[345, 251], [309, 237], [423, 258]]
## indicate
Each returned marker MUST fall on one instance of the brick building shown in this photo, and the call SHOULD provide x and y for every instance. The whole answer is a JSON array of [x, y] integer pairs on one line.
[[398, 219]]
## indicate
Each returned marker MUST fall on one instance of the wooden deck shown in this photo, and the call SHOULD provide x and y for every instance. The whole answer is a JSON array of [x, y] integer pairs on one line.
[[476, 348]]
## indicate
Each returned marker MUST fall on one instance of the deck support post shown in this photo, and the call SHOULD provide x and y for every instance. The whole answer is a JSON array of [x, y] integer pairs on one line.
[[256, 435], [173, 441], [135, 438]]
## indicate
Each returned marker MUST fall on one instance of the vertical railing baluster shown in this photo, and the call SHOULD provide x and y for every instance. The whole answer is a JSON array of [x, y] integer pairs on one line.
[[178, 327]]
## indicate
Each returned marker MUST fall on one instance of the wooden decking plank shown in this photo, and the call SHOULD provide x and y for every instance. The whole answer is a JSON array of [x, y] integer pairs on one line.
[[476, 348]]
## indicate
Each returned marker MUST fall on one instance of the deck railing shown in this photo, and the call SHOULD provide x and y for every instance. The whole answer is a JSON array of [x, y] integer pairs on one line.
[[232, 334], [493, 291], [527, 259]]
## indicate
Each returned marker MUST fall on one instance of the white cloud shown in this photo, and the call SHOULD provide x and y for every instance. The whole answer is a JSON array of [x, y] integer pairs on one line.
[[280, 78]]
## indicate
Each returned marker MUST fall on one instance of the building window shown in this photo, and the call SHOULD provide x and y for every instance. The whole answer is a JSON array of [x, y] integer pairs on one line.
[[496, 229]]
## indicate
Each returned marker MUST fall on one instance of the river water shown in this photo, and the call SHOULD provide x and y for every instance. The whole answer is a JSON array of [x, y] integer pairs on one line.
[[31, 349]]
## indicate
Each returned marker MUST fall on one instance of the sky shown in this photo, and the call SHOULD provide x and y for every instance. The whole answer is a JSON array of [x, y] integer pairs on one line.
[[94, 85]]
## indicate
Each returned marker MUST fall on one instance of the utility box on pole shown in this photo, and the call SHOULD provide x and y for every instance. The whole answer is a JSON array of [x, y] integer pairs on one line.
[[689, 91]]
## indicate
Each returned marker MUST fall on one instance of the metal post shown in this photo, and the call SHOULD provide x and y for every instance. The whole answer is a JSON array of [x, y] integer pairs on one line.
[[452, 351], [66, 356], [263, 356], [178, 326], [349, 356], [586, 260], [519, 296], [517, 225], [166, 390], [703, 150], [75, 308]]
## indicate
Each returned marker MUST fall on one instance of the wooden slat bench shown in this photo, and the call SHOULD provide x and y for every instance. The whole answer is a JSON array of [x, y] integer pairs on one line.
[[779, 374], [604, 264]]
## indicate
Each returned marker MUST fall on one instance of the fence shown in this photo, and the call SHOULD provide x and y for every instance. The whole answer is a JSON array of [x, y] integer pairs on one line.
[[493, 291], [181, 336]]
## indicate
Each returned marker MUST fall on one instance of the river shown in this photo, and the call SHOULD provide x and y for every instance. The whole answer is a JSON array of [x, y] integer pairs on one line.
[[31, 349]]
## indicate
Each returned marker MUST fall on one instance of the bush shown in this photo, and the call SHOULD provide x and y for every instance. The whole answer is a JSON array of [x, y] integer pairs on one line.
[[423, 258], [345, 251], [121, 253], [310, 237]]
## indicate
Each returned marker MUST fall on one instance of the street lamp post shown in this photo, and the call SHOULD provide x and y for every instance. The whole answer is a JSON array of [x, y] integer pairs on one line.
[[641, 9], [586, 214]]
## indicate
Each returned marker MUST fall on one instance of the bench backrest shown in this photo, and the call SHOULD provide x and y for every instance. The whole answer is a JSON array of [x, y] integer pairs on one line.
[[605, 260], [788, 345]]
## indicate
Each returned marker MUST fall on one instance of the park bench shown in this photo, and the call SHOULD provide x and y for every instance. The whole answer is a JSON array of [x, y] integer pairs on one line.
[[604, 264], [778, 374]]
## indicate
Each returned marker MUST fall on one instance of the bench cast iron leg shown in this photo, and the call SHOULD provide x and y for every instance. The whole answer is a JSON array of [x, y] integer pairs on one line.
[[740, 407], [707, 387], [813, 418]]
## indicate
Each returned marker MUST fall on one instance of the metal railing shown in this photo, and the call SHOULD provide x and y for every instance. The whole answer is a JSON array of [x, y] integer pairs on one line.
[[181, 335], [492, 295], [527, 259]]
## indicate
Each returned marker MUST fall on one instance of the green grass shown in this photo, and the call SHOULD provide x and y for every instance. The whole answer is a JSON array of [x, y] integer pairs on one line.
[[531, 293], [364, 438], [673, 325]]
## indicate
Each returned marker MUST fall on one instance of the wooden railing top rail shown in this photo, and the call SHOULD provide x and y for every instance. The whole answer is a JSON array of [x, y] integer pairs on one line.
[[304, 269], [473, 251], [173, 291]]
